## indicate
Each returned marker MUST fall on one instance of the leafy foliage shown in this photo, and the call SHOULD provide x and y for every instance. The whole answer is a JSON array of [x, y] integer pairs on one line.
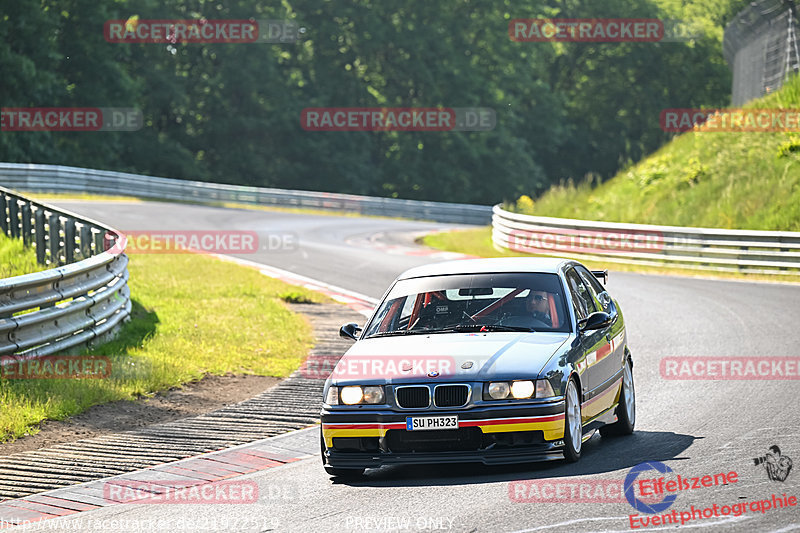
[[231, 112]]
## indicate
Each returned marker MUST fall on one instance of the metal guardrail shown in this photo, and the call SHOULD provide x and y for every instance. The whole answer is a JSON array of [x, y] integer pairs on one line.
[[82, 300], [744, 251], [52, 178]]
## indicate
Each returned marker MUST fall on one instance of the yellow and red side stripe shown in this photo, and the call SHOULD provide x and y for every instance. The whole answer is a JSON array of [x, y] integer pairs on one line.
[[602, 402]]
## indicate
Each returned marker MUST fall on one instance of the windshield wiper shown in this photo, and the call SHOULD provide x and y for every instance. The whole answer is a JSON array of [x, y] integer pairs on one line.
[[400, 332], [489, 327], [459, 328]]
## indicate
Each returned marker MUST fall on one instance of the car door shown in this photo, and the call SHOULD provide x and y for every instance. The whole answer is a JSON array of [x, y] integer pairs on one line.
[[610, 351], [596, 347], [584, 305]]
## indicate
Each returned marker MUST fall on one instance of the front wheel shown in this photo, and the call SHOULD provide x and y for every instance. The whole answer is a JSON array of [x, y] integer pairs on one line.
[[573, 428], [626, 410]]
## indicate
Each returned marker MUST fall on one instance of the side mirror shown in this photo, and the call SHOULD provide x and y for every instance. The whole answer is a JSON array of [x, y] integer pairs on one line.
[[596, 320], [349, 331]]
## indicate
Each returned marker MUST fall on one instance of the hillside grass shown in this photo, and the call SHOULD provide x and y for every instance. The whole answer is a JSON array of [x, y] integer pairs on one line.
[[192, 315], [730, 180], [733, 180]]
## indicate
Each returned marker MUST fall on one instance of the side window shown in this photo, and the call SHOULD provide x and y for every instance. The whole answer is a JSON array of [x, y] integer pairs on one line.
[[581, 297], [590, 280]]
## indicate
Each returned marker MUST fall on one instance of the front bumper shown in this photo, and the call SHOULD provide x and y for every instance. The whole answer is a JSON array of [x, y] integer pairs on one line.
[[489, 435]]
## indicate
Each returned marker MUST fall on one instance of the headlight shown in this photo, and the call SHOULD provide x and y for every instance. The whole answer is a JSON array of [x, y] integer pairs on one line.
[[332, 398], [352, 395], [544, 389], [373, 395], [522, 389], [355, 394], [518, 390], [498, 390]]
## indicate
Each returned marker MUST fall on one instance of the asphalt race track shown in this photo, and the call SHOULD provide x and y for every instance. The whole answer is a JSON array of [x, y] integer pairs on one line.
[[696, 428]]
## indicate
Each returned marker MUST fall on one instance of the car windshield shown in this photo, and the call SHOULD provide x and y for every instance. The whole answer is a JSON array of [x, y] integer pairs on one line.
[[473, 302]]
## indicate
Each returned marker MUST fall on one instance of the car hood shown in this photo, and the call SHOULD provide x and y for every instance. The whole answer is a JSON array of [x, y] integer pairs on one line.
[[455, 356]]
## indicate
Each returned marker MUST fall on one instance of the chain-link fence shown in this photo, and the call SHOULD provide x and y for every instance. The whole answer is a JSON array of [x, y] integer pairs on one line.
[[761, 46]]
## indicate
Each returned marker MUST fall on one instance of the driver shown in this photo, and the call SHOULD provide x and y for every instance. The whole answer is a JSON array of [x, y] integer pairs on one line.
[[538, 304]]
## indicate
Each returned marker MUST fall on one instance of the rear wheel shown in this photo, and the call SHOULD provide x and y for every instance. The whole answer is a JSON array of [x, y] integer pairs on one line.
[[573, 428], [626, 410]]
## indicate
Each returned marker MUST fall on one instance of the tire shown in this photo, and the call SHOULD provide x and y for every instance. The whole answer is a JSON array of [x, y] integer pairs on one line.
[[573, 427], [626, 410], [322, 445]]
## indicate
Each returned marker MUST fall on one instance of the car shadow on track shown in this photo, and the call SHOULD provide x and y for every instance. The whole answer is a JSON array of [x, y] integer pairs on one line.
[[600, 455]]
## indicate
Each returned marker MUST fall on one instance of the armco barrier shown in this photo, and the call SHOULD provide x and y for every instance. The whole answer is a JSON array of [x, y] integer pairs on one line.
[[52, 178], [82, 300], [745, 251]]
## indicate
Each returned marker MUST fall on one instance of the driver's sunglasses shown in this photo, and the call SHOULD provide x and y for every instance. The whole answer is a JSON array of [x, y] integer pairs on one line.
[[539, 298]]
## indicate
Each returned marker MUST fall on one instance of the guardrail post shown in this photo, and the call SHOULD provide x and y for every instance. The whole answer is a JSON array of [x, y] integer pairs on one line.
[[3, 219], [41, 251], [103, 241], [69, 240], [86, 241], [54, 238], [13, 217], [26, 224], [739, 266]]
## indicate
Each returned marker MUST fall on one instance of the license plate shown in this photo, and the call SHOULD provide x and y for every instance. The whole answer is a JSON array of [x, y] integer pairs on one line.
[[421, 423]]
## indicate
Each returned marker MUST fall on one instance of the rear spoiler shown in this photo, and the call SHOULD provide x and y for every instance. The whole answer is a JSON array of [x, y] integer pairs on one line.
[[601, 274]]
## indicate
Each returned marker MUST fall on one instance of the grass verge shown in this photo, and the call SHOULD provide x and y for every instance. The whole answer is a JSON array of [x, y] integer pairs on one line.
[[192, 315], [55, 196], [15, 259]]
